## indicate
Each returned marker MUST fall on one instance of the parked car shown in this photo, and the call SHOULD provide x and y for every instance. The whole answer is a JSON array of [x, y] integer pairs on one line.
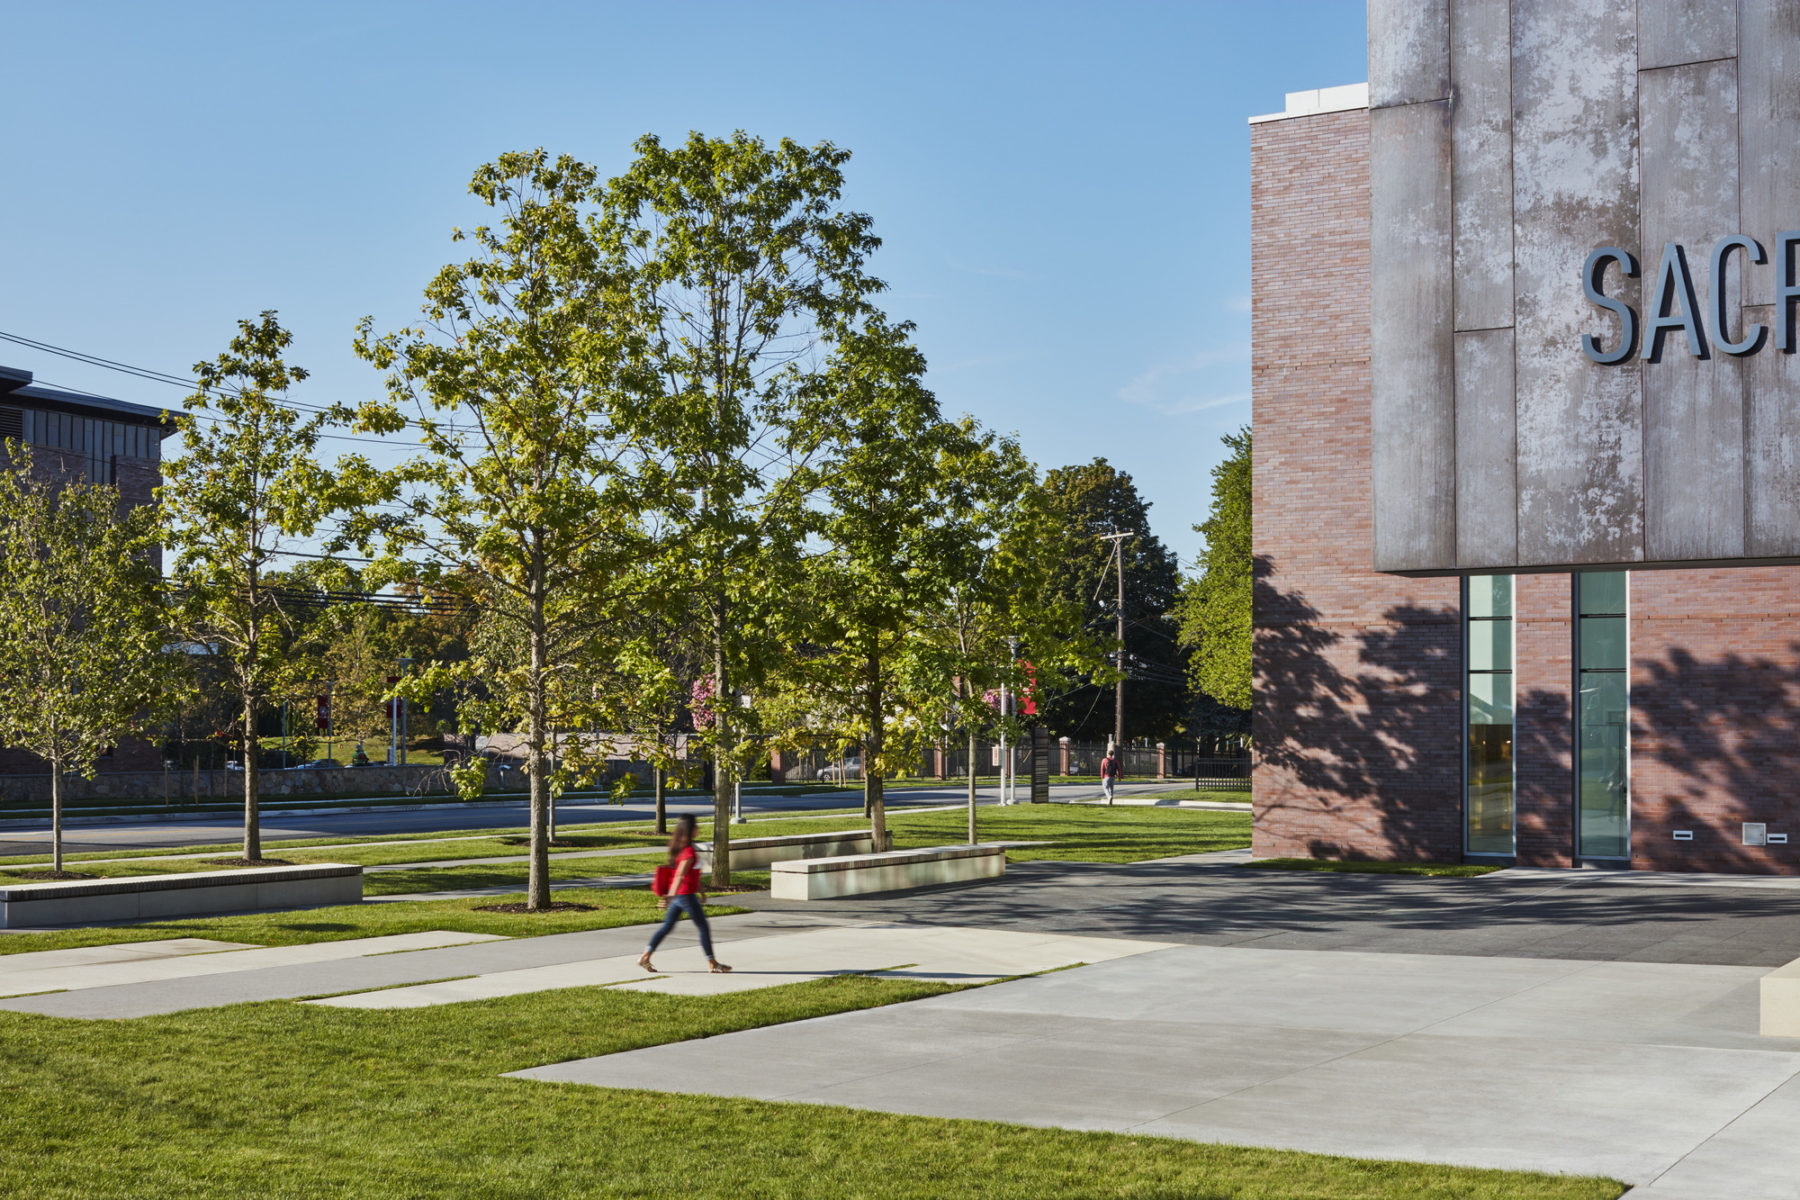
[[318, 763], [851, 768]]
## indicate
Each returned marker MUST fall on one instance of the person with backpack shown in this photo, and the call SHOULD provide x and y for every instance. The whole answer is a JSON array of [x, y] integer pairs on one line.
[[677, 884], [1109, 773]]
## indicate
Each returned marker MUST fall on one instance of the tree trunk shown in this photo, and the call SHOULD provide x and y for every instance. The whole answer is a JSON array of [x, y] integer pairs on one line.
[[252, 813], [721, 856], [971, 786], [538, 882], [872, 772], [662, 805], [56, 853]]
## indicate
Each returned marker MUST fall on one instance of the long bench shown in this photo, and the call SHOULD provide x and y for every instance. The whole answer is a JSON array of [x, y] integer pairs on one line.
[[149, 897], [747, 854], [891, 871]]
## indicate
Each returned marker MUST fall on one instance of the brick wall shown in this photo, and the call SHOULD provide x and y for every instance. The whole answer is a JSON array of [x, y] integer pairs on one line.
[[1715, 717], [1356, 716], [1543, 721]]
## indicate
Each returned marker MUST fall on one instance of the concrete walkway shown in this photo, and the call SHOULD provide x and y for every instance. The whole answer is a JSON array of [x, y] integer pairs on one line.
[[1648, 1073]]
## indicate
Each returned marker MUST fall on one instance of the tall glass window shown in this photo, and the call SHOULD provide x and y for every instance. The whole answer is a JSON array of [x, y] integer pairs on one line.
[[1488, 688], [1602, 744]]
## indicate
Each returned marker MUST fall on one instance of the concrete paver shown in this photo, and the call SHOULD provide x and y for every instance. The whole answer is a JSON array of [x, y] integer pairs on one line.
[[381, 970], [147, 969], [945, 954], [1650, 1073]]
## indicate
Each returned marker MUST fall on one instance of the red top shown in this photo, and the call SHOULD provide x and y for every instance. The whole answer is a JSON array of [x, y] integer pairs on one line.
[[689, 881], [1109, 767]]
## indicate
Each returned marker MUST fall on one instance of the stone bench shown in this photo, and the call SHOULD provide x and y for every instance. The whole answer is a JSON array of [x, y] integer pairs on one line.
[[151, 897], [892, 871], [747, 854], [1781, 1001]]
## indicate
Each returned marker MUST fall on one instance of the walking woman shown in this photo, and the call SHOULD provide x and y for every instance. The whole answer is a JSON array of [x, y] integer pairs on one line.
[[684, 894]]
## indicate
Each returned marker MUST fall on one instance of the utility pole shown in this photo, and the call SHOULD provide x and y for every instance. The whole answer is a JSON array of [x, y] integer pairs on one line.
[[1118, 545]]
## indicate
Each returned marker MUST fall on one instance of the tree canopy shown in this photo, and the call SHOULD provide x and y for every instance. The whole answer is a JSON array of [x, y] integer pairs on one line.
[[1215, 604], [1083, 503]]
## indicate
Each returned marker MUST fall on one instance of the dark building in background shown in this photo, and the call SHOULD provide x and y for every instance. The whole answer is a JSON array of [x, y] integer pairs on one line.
[[82, 438]]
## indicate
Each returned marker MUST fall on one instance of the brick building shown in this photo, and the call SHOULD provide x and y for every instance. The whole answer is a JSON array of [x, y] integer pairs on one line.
[[95, 439], [1521, 596]]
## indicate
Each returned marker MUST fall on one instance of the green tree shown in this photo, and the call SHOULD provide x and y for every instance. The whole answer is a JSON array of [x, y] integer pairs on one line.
[[528, 500], [1215, 604], [246, 484], [1085, 502], [82, 623], [998, 625], [881, 491], [734, 266]]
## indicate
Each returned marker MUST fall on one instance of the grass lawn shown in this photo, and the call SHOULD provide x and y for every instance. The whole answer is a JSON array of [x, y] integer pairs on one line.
[[280, 1100], [611, 907], [1076, 833], [1356, 867]]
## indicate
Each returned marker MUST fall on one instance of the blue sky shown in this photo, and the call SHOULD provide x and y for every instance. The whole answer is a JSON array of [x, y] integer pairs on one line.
[[1062, 190]]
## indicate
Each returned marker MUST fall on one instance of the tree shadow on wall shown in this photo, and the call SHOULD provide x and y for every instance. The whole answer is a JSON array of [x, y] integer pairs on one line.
[[1361, 717], [1724, 726], [1366, 720]]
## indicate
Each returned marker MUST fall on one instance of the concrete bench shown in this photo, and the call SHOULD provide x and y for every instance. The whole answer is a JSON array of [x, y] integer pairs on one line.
[[1781, 1001], [892, 871], [747, 854], [151, 897]]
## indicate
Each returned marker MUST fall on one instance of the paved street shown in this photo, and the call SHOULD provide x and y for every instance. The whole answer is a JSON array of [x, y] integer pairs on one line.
[[80, 836]]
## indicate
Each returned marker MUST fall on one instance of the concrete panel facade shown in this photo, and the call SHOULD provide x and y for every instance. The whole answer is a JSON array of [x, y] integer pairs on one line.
[[1415, 396], [1575, 125], [1486, 511], [1693, 410]]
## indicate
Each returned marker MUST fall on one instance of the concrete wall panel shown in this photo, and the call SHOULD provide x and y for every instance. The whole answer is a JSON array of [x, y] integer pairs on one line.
[[1693, 407], [1674, 32], [1575, 186], [1409, 51], [1413, 413], [1486, 489], [1772, 445], [1769, 129], [1481, 163]]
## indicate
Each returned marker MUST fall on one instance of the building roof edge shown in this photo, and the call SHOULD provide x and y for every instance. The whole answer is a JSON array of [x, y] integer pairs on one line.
[[1320, 100]]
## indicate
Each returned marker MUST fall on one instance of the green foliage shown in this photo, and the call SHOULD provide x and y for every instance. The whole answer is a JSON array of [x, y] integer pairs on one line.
[[1215, 605], [245, 483], [731, 267], [528, 499], [82, 623], [1083, 503]]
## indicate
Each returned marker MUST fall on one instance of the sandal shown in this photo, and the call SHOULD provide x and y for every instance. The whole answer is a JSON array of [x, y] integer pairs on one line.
[[719, 968], [644, 962]]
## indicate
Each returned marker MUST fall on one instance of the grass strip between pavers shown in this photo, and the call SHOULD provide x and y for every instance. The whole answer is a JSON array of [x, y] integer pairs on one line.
[[611, 907], [280, 1100]]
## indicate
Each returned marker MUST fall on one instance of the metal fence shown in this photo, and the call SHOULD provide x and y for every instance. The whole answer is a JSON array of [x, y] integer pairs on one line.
[[1204, 766]]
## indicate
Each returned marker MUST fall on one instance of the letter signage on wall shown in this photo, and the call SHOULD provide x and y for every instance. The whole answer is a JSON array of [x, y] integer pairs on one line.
[[1584, 285], [1675, 307]]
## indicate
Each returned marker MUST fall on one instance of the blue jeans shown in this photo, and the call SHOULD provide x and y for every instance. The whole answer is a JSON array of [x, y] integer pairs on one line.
[[695, 913]]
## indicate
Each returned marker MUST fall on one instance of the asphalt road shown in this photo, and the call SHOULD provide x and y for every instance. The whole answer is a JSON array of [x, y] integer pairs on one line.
[[79, 837]]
